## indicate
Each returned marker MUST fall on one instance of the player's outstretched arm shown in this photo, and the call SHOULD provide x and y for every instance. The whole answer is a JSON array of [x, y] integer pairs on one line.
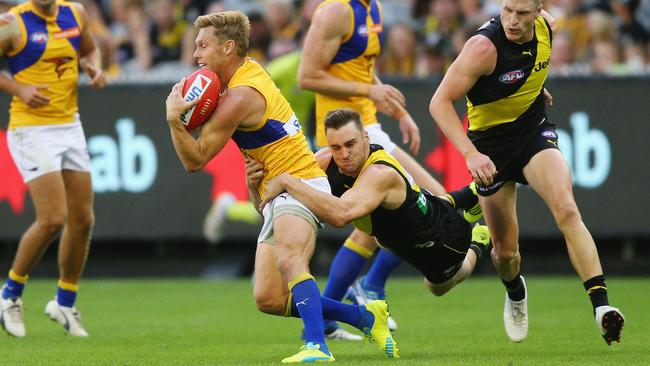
[[477, 58], [368, 193]]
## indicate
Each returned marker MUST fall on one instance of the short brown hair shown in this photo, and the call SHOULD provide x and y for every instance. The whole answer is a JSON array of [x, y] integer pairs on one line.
[[230, 25], [340, 117]]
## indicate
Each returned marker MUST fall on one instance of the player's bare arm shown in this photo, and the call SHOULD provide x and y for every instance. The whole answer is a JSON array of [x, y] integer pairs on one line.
[[477, 58], [254, 177], [372, 189], [241, 106], [90, 56], [10, 38], [548, 98], [321, 44]]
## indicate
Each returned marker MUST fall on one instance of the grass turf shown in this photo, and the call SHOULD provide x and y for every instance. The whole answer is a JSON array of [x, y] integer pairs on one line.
[[197, 322]]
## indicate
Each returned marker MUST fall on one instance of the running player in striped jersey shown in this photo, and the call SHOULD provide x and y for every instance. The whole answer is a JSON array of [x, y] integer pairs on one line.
[[502, 71]]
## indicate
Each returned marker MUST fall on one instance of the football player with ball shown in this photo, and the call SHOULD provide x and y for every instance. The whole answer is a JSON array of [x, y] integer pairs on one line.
[[258, 118]]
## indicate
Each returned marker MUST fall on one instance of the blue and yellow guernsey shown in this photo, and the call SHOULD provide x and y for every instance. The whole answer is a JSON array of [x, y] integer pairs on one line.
[[354, 61], [277, 140], [47, 55], [512, 94]]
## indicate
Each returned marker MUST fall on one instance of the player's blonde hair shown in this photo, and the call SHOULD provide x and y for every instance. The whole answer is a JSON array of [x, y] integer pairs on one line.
[[230, 25]]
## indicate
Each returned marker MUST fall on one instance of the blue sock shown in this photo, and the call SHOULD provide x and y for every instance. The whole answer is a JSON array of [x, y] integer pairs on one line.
[[14, 286], [345, 268], [65, 297], [12, 289], [355, 315], [346, 313], [306, 299], [378, 274]]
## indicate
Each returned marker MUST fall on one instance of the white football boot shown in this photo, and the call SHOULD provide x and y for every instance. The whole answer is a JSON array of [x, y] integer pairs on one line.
[[11, 316], [610, 321], [343, 335], [70, 318], [515, 317]]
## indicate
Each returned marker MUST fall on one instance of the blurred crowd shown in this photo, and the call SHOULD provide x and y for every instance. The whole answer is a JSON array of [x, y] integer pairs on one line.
[[150, 38]]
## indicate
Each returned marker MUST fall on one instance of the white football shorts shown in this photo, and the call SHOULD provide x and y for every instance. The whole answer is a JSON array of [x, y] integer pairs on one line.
[[378, 136], [285, 204], [38, 150]]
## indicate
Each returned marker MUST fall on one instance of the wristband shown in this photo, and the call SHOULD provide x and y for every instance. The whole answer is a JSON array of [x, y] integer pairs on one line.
[[401, 112]]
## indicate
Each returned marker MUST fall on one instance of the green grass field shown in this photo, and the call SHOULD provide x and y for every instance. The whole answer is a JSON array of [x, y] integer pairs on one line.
[[197, 322]]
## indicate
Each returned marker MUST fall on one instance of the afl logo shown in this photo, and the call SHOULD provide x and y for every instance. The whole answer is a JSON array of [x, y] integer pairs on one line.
[[549, 134], [511, 77], [363, 30], [38, 37]]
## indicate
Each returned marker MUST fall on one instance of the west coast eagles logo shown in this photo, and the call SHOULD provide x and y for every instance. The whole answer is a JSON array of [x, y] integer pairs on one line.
[[61, 64]]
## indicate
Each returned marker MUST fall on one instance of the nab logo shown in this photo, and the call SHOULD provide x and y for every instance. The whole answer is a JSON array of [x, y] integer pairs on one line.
[[198, 87], [542, 65], [39, 37], [511, 77]]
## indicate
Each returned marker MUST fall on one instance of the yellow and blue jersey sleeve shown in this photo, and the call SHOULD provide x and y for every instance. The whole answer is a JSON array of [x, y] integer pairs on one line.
[[277, 140]]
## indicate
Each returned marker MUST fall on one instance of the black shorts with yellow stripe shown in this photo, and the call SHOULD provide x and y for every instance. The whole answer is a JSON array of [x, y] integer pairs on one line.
[[442, 256], [510, 147]]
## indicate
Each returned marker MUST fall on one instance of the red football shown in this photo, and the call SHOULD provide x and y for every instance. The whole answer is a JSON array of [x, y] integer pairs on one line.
[[202, 84]]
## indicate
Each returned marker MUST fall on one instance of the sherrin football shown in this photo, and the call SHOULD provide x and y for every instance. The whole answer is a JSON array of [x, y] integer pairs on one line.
[[202, 84]]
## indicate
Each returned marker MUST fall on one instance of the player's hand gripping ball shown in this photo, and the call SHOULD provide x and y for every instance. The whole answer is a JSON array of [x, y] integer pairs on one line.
[[204, 85]]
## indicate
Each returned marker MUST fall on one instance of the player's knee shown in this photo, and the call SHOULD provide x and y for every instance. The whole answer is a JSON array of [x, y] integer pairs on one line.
[[269, 304], [83, 222], [438, 291], [52, 224], [435, 289], [290, 263], [503, 254], [566, 214]]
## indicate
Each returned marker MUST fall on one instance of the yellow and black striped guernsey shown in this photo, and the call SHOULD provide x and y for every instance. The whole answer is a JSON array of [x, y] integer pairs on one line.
[[513, 92], [416, 221]]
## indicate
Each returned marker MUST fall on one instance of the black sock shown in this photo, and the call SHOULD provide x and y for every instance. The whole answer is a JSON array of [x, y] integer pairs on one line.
[[515, 288], [463, 198], [597, 291]]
